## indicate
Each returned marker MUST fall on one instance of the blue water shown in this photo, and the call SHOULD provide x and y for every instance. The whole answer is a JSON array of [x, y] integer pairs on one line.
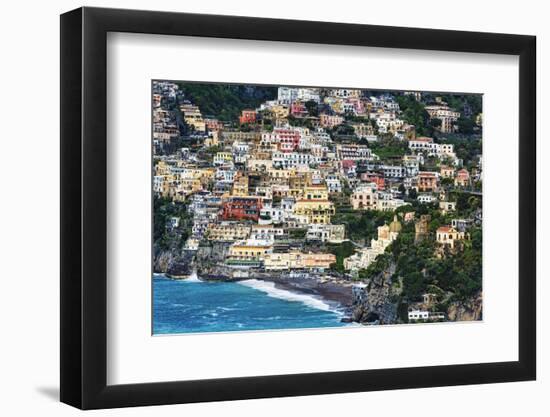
[[195, 306]]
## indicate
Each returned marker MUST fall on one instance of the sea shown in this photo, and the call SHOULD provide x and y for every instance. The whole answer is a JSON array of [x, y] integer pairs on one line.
[[196, 306]]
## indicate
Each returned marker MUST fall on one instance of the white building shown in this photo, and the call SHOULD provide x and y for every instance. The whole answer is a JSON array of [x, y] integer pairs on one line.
[[333, 184], [287, 160], [386, 235], [288, 95], [387, 202], [416, 315], [426, 198], [332, 233], [393, 171]]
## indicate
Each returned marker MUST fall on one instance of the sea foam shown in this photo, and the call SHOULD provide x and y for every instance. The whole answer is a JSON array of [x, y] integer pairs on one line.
[[193, 277], [269, 288]]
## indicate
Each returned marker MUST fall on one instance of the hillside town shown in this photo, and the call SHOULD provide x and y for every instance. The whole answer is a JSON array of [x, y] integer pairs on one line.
[[375, 193]]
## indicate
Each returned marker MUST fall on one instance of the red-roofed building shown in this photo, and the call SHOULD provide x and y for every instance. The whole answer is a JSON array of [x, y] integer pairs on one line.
[[462, 178], [448, 235], [248, 116], [242, 208], [347, 164], [287, 139], [427, 181], [375, 178], [298, 109], [213, 124]]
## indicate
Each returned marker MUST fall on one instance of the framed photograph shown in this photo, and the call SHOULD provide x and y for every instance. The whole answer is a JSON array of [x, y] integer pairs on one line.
[[257, 208]]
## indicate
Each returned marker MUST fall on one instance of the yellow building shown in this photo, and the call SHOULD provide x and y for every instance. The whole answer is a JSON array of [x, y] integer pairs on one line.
[[300, 180], [228, 137], [189, 185], [447, 172], [318, 260], [314, 205], [223, 158], [279, 112], [193, 117], [163, 184], [278, 175], [240, 185], [316, 192], [298, 260], [261, 165], [448, 235], [162, 168], [249, 250], [280, 261], [386, 235], [315, 211], [227, 232], [365, 197], [212, 139]]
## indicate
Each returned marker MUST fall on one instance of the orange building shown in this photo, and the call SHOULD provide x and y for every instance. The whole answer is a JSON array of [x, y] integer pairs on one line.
[[375, 178], [247, 116], [427, 181], [462, 178]]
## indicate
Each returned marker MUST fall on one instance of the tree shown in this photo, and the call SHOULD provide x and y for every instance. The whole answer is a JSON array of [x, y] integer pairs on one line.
[[415, 114], [341, 251], [226, 101], [465, 125], [312, 108], [435, 123], [447, 182], [462, 203]]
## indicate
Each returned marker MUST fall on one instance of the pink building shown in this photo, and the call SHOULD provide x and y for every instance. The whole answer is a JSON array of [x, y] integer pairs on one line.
[[328, 120]]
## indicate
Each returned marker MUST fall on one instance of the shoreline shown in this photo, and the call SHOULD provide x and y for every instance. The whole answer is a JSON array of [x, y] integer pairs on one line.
[[336, 294]]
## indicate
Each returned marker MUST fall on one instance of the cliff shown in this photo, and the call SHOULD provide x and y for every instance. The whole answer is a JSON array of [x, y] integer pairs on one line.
[[466, 310], [172, 262], [377, 304], [211, 254]]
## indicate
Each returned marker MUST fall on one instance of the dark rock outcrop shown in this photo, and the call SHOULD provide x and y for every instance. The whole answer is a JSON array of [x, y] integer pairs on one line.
[[378, 306], [466, 310]]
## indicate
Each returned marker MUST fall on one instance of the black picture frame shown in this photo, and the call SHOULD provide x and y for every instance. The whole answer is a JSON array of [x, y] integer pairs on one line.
[[84, 207]]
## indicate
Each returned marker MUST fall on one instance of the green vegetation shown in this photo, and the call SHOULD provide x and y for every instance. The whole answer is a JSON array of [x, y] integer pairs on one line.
[[466, 149], [461, 102], [425, 266], [414, 113], [226, 101], [361, 225], [298, 234], [301, 122], [380, 264], [389, 148], [163, 237], [458, 101], [341, 250], [312, 108]]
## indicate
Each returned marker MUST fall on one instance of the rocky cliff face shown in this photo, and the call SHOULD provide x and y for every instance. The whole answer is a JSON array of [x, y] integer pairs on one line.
[[163, 260], [172, 262], [214, 253], [206, 260], [466, 310], [377, 304]]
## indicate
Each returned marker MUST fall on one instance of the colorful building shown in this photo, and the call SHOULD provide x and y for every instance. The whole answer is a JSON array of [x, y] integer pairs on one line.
[[242, 208], [247, 116]]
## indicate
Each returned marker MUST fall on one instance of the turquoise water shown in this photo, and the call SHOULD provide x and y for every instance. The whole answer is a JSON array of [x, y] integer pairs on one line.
[[193, 306]]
